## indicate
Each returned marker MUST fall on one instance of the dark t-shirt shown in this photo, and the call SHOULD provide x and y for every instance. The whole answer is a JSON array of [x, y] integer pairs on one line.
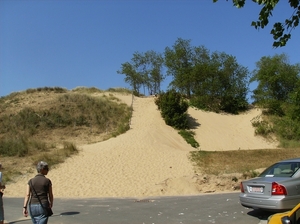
[[41, 185]]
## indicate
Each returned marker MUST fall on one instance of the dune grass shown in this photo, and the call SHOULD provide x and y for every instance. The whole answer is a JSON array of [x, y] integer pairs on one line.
[[32, 123], [245, 162], [14, 166], [48, 123]]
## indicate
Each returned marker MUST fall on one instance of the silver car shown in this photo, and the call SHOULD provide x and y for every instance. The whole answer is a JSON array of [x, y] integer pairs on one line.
[[275, 189]]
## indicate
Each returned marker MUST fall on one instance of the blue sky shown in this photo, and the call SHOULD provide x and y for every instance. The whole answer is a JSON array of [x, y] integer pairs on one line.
[[71, 43]]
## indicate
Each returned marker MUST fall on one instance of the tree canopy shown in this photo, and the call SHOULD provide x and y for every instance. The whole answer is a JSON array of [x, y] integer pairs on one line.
[[278, 93], [211, 81], [281, 31], [277, 80], [217, 82], [179, 61], [144, 70]]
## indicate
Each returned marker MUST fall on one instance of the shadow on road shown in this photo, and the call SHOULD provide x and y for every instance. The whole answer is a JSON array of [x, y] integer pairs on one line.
[[70, 213], [260, 214]]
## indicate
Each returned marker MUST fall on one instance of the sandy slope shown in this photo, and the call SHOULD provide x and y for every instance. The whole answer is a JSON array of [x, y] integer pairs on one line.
[[217, 132], [148, 160]]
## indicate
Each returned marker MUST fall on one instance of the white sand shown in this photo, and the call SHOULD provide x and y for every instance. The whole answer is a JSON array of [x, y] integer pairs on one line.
[[150, 159]]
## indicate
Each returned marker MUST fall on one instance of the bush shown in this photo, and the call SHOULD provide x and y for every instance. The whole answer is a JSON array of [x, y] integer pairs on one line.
[[262, 128], [14, 147], [233, 105], [274, 108], [228, 104], [173, 109], [205, 103], [287, 128]]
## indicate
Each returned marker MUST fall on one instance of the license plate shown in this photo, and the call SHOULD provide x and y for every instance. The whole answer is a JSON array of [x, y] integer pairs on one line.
[[256, 189]]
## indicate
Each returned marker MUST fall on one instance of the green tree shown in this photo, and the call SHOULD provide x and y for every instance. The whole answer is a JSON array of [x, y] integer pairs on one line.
[[204, 80], [220, 83], [277, 81], [144, 70], [212, 81], [281, 31], [295, 100], [133, 78], [233, 80], [140, 65], [179, 63], [154, 62]]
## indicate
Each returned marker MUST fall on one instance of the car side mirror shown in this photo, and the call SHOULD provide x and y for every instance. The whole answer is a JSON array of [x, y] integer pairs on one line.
[[285, 220]]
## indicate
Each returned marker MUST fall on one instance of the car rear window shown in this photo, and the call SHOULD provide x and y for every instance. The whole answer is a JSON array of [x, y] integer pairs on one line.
[[284, 169]]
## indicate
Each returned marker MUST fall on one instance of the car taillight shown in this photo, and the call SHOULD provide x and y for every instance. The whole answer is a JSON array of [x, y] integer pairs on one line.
[[278, 189], [242, 187]]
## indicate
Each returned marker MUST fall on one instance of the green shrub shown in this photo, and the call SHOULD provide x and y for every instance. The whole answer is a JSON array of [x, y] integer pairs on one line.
[[287, 128], [233, 105], [173, 109], [263, 128], [228, 104], [189, 137], [284, 143], [14, 147], [201, 102]]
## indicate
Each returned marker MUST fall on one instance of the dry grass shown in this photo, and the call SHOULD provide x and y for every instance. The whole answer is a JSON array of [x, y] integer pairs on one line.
[[246, 162], [26, 136], [15, 166]]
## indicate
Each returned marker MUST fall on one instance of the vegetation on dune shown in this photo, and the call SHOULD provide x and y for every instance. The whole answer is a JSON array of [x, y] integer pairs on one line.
[[244, 162], [38, 122], [144, 70], [47, 123], [217, 82], [173, 108], [211, 81], [278, 94]]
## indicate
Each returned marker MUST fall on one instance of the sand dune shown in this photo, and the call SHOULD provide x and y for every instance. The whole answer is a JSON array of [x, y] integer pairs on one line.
[[150, 159], [217, 132]]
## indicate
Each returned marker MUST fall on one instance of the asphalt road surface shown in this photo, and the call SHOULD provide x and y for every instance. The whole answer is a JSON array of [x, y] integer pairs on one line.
[[207, 208]]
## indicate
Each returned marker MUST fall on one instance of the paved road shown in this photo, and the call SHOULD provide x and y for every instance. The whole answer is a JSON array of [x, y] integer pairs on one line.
[[208, 208]]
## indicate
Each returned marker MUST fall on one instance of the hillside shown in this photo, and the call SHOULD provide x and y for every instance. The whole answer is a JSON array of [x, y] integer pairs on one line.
[[151, 158]]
